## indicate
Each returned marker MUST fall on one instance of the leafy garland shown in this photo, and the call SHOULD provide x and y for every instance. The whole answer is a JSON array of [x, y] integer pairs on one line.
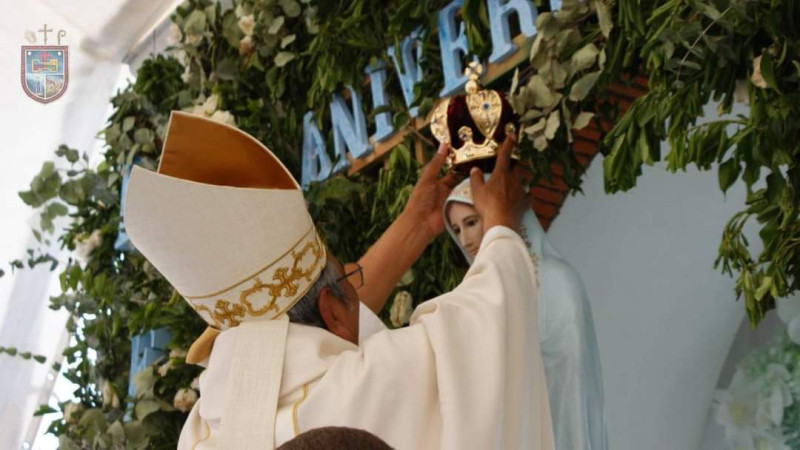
[[723, 51], [261, 65]]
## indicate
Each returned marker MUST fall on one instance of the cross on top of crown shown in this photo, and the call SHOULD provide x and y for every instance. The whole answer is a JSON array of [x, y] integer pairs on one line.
[[473, 71]]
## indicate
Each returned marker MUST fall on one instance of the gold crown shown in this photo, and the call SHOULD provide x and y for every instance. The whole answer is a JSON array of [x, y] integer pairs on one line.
[[474, 124]]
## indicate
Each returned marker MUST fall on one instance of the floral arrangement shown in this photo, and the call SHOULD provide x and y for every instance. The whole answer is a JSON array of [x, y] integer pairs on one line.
[[761, 407]]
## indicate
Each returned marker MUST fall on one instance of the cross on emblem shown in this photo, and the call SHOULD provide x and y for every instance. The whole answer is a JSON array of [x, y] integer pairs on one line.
[[44, 30]]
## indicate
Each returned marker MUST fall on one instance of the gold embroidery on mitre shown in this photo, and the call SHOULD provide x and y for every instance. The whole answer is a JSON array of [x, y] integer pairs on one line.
[[206, 309], [225, 311], [292, 274], [286, 280]]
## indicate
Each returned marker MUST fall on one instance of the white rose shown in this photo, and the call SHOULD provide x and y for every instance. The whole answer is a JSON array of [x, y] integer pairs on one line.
[[401, 308], [85, 246], [246, 24], [197, 110], [187, 73], [195, 384], [756, 78], [175, 34], [239, 11], [224, 117], [210, 105], [184, 399], [193, 38], [71, 410], [246, 45], [407, 278]]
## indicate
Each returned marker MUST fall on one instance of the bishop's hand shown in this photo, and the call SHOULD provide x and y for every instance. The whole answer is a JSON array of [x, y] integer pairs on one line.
[[500, 200], [427, 199]]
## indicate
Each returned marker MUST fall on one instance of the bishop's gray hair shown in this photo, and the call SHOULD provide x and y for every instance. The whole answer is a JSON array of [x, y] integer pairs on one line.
[[306, 310]]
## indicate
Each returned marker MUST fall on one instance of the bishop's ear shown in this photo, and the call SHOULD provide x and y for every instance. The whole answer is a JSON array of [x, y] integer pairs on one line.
[[334, 312]]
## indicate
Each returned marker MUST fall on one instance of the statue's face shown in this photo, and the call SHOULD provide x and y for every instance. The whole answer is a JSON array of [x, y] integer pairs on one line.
[[467, 226]]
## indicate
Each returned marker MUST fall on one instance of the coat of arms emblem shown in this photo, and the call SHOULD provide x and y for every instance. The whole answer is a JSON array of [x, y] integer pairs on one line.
[[45, 71]]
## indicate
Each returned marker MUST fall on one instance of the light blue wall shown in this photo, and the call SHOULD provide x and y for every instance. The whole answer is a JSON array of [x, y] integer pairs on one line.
[[665, 318]]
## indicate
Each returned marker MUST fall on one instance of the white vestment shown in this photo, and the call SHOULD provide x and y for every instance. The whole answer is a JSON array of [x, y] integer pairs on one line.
[[467, 373], [566, 335]]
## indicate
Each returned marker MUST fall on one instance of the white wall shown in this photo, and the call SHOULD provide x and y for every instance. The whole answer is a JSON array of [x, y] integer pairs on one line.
[[665, 318]]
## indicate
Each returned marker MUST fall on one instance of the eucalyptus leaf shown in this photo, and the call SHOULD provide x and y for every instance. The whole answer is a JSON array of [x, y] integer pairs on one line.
[[536, 128], [93, 418], [230, 30], [291, 8], [547, 25], [134, 432], [211, 13], [288, 40], [531, 114], [276, 25], [117, 432], [584, 58], [112, 133], [65, 443], [582, 120], [146, 407], [227, 69], [603, 16], [543, 96], [583, 86], [283, 58], [143, 383], [127, 124], [536, 47], [143, 136], [195, 23], [72, 192], [553, 122]]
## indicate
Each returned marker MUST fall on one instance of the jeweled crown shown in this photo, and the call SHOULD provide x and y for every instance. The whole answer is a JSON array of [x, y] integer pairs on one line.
[[474, 124]]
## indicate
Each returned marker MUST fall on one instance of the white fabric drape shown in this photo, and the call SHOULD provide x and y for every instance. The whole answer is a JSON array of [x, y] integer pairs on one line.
[[566, 335]]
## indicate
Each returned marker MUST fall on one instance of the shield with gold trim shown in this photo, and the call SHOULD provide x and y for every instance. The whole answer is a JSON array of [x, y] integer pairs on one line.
[[45, 71]]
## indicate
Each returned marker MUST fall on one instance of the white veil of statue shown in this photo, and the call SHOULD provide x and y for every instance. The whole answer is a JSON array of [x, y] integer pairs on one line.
[[567, 337]]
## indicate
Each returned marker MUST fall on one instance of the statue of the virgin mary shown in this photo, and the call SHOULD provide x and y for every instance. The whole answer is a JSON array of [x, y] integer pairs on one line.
[[567, 337]]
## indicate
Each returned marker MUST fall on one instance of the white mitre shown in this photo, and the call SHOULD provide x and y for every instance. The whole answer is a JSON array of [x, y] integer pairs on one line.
[[226, 224]]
